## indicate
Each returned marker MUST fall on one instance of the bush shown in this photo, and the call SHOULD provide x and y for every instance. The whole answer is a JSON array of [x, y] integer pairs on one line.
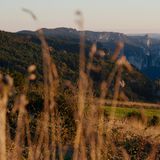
[[137, 148], [154, 121], [134, 115]]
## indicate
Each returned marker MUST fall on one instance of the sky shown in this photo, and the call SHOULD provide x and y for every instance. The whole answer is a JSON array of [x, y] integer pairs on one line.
[[127, 16]]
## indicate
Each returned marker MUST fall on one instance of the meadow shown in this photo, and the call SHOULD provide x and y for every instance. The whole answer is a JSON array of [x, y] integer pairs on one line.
[[122, 112]]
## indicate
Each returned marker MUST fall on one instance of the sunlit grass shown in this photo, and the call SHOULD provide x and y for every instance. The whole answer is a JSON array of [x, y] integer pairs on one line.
[[121, 112]]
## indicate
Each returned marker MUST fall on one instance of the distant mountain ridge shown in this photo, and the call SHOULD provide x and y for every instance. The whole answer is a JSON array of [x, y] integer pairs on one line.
[[151, 35], [145, 58], [73, 33]]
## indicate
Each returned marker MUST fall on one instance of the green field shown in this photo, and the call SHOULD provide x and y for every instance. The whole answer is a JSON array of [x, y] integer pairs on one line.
[[122, 112]]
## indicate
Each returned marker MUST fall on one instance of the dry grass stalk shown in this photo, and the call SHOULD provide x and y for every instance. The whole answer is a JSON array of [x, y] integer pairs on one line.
[[4, 95], [3, 105], [82, 91]]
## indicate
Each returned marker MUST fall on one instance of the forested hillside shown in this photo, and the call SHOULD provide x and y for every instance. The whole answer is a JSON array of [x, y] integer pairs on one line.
[[17, 52]]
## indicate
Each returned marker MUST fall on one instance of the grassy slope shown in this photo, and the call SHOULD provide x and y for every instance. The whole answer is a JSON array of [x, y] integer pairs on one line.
[[121, 112]]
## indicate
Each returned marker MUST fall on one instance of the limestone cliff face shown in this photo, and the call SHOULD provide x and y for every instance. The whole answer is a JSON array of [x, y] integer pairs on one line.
[[142, 51]]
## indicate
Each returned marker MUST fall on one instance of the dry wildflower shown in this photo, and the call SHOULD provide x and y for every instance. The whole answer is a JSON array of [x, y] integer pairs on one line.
[[29, 12], [6, 85], [31, 68], [80, 21], [121, 61], [78, 13], [122, 83], [32, 77], [128, 66], [124, 62], [93, 50], [120, 45], [101, 53]]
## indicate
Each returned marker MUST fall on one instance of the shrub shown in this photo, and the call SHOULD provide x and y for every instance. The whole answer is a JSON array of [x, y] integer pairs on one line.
[[137, 148], [154, 121], [134, 115]]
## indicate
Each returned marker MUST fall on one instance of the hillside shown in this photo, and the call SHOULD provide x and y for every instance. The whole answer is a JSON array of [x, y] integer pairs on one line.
[[18, 51], [142, 51]]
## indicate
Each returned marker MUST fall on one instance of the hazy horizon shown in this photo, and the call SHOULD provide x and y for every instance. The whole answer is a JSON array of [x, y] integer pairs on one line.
[[140, 33], [130, 17]]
